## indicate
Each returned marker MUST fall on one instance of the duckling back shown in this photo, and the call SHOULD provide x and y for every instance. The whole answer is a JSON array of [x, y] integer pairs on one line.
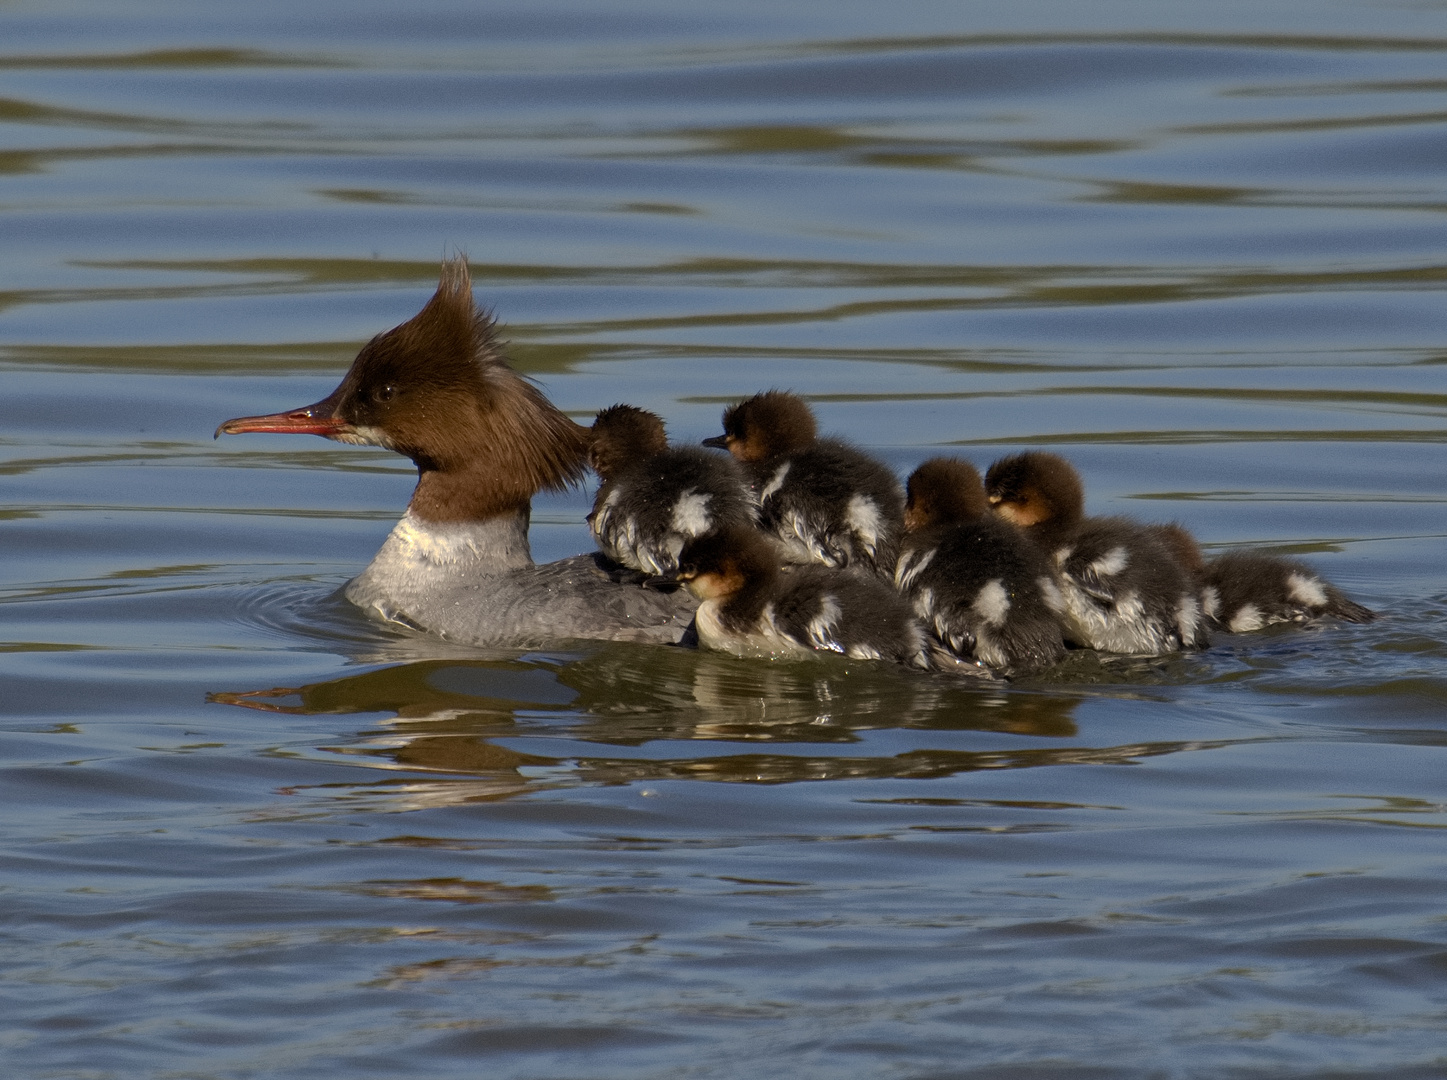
[[1125, 592], [819, 607], [753, 606], [826, 501], [985, 593], [832, 504], [645, 514], [1254, 590], [1123, 586]]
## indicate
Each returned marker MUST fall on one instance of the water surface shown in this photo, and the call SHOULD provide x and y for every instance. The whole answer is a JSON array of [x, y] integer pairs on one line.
[[250, 833]]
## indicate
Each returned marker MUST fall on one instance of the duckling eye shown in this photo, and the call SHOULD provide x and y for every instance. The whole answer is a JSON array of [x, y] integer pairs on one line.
[[383, 394]]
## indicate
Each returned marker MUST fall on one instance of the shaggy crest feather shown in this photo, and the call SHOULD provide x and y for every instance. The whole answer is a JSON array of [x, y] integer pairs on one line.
[[529, 445]]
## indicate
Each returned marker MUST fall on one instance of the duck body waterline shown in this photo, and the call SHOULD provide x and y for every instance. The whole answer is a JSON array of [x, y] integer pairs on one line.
[[476, 584], [438, 390]]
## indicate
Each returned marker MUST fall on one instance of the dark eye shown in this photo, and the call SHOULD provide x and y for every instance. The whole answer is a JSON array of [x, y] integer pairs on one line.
[[383, 394]]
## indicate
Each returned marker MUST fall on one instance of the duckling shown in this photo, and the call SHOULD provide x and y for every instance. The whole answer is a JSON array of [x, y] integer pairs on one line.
[[1255, 590], [751, 606], [654, 499], [1187, 552], [1241, 591], [984, 592], [828, 502], [1124, 590]]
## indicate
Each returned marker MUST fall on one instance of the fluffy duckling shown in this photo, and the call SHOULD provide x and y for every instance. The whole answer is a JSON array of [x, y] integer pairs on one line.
[[753, 607], [1241, 591], [1123, 588], [1183, 546], [1254, 590], [985, 593], [654, 499], [828, 502]]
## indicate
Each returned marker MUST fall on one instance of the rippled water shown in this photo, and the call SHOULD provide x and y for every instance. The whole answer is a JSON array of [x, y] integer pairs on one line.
[[249, 833]]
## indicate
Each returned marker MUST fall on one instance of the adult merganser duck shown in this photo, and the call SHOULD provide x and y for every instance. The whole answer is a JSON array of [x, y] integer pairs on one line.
[[438, 390], [984, 592], [753, 607], [828, 502], [654, 499], [1254, 590], [1123, 589]]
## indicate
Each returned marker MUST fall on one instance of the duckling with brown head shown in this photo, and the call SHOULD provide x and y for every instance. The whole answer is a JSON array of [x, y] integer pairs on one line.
[[826, 501], [655, 498], [1122, 587], [985, 593], [754, 607]]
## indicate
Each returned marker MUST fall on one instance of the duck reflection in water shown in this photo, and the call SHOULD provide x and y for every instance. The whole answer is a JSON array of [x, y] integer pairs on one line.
[[453, 731]]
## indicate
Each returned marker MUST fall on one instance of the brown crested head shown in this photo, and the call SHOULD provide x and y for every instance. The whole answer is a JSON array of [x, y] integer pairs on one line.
[[767, 425], [623, 434], [1035, 487], [439, 390], [943, 491], [721, 563]]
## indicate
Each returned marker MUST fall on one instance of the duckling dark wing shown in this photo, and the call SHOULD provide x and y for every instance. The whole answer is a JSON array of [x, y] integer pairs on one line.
[[1145, 602], [1258, 590], [855, 616], [645, 515], [985, 593], [832, 505]]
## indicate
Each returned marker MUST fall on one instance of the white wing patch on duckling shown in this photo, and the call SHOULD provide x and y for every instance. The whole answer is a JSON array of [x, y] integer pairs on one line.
[[1111, 563], [924, 604], [1248, 617], [803, 543], [911, 565], [690, 513], [1210, 602], [665, 559], [1188, 619], [1050, 593], [1123, 627], [865, 519], [992, 603], [1305, 591], [772, 487], [821, 627]]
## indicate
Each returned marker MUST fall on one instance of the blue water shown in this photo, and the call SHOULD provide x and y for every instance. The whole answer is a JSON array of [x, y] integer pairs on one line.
[[250, 833]]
